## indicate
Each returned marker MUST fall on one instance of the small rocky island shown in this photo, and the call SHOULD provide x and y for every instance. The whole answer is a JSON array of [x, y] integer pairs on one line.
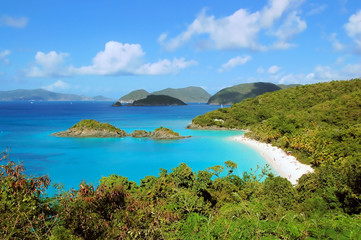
[[158, 134], [94, 129]]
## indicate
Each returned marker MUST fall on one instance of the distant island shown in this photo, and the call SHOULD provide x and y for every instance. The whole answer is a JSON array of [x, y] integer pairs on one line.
[[133, 96], [90, 128], [237, 93], [153, 100], [44, 95], [187, 94], [158, 100]]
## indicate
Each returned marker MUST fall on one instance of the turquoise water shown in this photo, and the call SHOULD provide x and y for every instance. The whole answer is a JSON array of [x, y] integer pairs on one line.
[[26, 129]]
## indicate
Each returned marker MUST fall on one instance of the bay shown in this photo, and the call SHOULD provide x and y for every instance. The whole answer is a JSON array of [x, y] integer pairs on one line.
[[26, 127]]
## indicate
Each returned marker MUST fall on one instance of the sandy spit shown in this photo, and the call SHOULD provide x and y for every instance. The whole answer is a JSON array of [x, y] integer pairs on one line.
[[285, 165]]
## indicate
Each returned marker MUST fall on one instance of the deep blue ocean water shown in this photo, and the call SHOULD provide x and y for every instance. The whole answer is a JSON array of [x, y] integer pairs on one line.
[[25, 127]]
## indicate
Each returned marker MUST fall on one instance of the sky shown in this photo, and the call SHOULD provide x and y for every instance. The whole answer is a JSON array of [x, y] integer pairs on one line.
[[112, 47]]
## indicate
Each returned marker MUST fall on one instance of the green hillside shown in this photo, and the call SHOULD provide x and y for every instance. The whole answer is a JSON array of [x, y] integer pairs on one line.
[[188, 94], [319, 122], [134, 95], [158, 100], [239, 92]]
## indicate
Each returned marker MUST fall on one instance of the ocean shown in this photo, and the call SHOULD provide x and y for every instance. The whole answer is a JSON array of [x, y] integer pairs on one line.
[[25, 127]]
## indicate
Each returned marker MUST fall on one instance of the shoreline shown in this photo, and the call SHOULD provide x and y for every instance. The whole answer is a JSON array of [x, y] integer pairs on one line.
[[286, 166]]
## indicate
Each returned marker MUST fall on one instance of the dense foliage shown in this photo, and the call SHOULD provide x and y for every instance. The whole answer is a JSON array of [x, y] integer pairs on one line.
[[319, 123], [317, 120], [94, 125], [182, 204], [237, 93]]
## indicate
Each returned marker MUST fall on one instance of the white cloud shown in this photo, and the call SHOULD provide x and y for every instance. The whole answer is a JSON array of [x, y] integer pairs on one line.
[[241, 29], [353, 28], [49, 65], [165, 66], [13, 22], [58, 85], [352, 71], [292, 26], [335, 43], [236, 61], [260, 70], [273, 69], [3, 56], [116, 59], [317, 10], [273, 11], [292, 78], [235, 31]]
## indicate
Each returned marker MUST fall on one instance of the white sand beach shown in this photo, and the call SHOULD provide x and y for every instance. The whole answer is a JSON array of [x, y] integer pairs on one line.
[[287, 166]]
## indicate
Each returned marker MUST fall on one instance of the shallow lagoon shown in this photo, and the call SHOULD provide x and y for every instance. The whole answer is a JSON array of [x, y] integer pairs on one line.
[[26, 127]]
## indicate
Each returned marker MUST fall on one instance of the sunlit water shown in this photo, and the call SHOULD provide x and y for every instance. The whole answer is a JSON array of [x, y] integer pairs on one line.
[[26, 127]]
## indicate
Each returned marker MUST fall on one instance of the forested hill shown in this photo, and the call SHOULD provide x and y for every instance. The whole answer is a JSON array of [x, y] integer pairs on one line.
[[187, 94], [237, 93], [134, 95], [319, 122]]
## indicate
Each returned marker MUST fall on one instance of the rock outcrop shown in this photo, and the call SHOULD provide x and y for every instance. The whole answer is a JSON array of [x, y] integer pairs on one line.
[[92, 129], [166, 133], [160, 133]]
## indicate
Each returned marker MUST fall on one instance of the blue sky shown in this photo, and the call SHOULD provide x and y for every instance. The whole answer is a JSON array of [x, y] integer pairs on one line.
[[112, 47]]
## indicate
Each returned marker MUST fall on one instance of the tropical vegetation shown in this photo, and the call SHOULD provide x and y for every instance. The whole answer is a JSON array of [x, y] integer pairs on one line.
[[237, 93], [320, 123]]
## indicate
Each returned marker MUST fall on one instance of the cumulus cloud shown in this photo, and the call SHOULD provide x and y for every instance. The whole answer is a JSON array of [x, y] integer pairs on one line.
[[236, 61], [292, 26], [317, 9], [335, 43], [241, 29], [3, 56], [353, 28], [165, 66], [13, 22], [273, 69], [116, 59], [58, 85], [49, 65], [260, 70]]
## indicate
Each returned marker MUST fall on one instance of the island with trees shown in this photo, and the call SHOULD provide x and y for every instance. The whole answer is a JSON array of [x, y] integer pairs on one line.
[[90, 128]]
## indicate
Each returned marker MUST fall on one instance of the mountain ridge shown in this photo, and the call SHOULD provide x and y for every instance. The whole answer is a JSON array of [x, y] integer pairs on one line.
[[186, 94], [45, 95], [239, 92]]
